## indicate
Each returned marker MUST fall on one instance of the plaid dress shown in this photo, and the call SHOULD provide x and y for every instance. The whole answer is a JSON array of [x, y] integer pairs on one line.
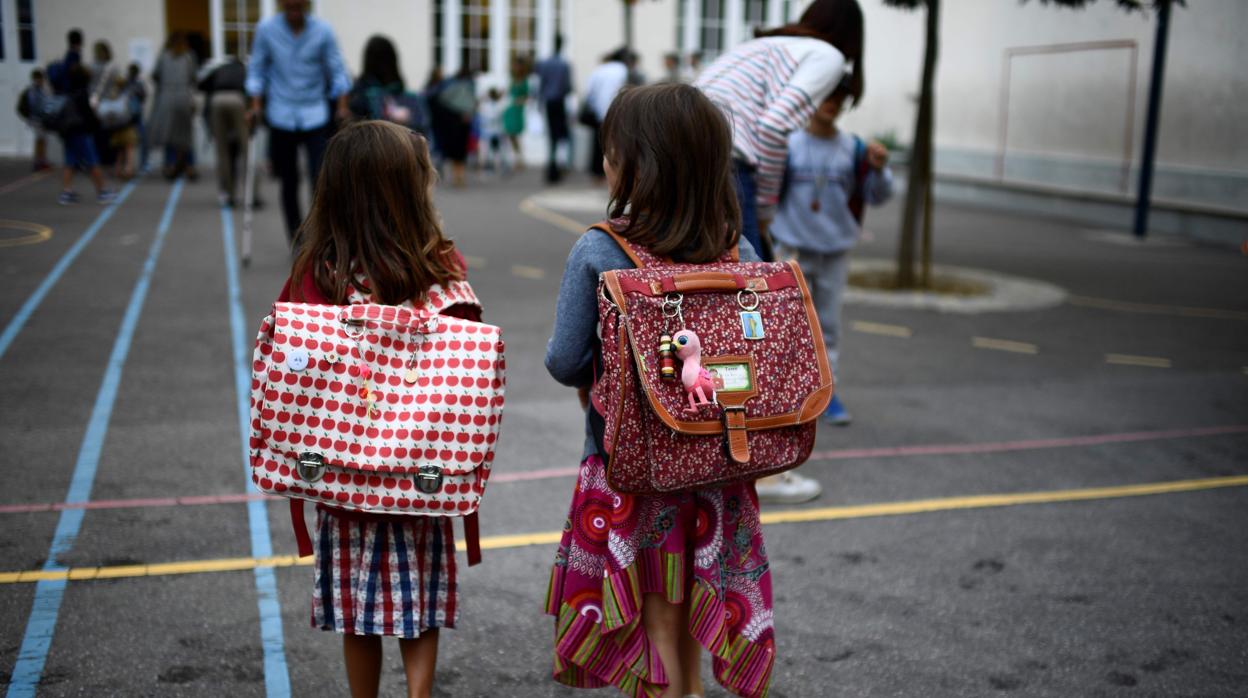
[[375, 575]]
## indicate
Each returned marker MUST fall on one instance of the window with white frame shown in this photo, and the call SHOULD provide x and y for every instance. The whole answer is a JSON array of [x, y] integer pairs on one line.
[[523, 34], [474, 27], [712, 29], [25, 31], [238, 24], [755, 12]]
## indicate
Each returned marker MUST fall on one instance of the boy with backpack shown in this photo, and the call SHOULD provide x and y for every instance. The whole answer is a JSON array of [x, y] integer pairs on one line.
[[829, 178], [30, 107], [75, 122]]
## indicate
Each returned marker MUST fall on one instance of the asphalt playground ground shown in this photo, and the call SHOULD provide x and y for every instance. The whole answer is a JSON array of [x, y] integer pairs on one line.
[[1035, 503]]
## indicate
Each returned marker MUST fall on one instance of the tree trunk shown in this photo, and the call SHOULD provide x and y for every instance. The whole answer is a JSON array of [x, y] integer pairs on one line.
[[628, 24], [921, 154]]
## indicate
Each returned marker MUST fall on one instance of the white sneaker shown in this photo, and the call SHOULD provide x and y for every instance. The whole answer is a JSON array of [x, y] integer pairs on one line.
[[787, 488]]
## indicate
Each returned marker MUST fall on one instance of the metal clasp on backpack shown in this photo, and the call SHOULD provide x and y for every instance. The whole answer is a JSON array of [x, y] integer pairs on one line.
[[311, 466], [429, 479]]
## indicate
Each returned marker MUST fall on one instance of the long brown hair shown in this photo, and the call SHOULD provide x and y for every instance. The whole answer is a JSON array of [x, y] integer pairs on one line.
[[372, 214], [671, 150], [838, 22]]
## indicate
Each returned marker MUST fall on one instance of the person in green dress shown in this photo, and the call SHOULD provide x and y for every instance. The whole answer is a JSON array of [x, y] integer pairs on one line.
[[513, 115]]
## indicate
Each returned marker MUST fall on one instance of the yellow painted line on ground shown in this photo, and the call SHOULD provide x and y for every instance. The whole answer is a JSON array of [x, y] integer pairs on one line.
[[1155, 309], [571, 225], [35, 233], [859, 511], [1134, 360], [527, 272], [1004, 345], [474, 262], [986, 501], [881, 329]]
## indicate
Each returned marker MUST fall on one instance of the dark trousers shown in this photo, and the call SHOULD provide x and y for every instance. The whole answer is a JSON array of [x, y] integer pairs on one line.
[[284, 151], [595, 154], [743, 179], [556, 131]]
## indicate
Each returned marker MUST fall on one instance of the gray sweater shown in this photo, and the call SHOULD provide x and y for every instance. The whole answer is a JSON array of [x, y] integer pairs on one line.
[[572, 352]]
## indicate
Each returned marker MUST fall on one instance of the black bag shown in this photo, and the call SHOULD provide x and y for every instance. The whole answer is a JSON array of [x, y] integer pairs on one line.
[[587, 116]]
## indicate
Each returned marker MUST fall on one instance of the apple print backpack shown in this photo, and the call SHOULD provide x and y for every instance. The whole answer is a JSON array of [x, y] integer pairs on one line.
[[377, 408], [712, 373]]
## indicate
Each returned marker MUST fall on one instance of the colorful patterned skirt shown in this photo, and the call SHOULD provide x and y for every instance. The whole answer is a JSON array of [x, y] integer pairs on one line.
[[391, 575], [704, 548]]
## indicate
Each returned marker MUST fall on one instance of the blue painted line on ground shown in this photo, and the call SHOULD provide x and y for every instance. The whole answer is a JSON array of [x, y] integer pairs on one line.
[[276, 674], [41, 626], [28, 308]]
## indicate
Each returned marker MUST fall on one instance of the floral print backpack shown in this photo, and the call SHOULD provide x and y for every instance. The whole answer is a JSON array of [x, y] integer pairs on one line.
[[753, 375]]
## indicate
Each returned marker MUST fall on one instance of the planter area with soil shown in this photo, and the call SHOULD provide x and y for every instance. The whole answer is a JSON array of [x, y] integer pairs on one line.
[[953, 289]]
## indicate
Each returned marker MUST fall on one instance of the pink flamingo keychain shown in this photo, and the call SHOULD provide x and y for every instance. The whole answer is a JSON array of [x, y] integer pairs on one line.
[[699, 383]]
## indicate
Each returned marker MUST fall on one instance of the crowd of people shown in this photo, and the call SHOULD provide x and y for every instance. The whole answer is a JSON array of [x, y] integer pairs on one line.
[[742, 160]]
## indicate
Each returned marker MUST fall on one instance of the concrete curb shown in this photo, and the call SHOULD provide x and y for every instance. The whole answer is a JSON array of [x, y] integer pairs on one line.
[[1006, 293]]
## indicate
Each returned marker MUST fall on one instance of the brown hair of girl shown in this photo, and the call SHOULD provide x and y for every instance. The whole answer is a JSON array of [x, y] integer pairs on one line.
[[372, 214], [838, 22], [671, 150]]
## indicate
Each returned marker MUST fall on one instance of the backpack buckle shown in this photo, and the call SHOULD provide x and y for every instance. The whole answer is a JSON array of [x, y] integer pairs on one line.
[[429, 479], [311, 466]]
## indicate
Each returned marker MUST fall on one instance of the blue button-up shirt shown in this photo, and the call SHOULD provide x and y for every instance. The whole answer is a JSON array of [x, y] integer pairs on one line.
[[297, 73], [556, 78]]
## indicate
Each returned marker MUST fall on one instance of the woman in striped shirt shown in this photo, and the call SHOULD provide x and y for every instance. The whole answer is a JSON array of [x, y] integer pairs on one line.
[[770, 87]]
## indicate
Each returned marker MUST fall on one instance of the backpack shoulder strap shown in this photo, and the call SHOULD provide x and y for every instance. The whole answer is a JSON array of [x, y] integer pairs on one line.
[[857, 197], [639, 255]]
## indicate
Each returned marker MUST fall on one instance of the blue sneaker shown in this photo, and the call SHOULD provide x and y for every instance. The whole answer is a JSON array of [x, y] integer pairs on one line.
[[836, 413], [67, 197], [105, 197]]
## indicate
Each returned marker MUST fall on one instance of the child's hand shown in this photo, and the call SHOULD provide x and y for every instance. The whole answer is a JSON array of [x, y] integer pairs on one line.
[[877, 155]]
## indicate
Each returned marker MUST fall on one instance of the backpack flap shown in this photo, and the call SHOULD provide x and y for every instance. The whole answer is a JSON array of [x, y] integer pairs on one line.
[[761, 349], [376, 408]]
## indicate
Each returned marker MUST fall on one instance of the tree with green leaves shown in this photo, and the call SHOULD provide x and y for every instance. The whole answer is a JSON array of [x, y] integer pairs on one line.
[[919, 179]]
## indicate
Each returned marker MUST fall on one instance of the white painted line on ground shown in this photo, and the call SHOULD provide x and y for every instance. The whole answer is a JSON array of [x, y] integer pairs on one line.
[[1004, 345], [1134, 360], [1155, 309], [881, 329], [527, 272]]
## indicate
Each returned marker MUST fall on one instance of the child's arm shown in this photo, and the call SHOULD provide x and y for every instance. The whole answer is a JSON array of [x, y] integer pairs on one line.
[[879, 184], [570, 351]]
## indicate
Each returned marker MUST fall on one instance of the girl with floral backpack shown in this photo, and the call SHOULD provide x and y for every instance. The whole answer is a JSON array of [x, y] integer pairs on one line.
[[380, 574], [643, 582]]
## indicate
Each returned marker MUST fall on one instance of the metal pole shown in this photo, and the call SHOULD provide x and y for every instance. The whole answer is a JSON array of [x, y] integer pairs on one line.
[[1150, 121]]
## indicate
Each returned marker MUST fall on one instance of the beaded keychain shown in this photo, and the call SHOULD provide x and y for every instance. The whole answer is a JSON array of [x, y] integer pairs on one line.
[[667, 350]]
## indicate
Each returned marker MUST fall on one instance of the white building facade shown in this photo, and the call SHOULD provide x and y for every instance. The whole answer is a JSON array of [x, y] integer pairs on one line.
[[1026, 92]]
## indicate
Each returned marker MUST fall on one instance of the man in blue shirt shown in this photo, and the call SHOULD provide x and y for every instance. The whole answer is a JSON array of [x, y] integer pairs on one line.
[[556, 77], [295, 69]]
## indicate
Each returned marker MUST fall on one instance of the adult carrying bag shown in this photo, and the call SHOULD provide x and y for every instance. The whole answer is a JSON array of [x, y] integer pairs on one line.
[[711, 373], [377, 409]]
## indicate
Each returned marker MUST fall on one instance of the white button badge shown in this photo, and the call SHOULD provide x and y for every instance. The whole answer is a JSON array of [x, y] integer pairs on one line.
[[297, 360]]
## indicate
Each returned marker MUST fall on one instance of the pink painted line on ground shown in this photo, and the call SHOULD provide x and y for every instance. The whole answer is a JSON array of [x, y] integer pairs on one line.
[[544, 474], [1025, 445], [134, 503], [23, 181], [839, 454]]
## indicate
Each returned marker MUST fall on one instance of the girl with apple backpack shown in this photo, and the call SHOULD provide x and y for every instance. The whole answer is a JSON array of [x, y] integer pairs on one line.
[[377, 393]]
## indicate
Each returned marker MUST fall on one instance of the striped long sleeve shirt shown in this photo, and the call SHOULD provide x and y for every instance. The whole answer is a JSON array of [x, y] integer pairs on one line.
[[769, 88]]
